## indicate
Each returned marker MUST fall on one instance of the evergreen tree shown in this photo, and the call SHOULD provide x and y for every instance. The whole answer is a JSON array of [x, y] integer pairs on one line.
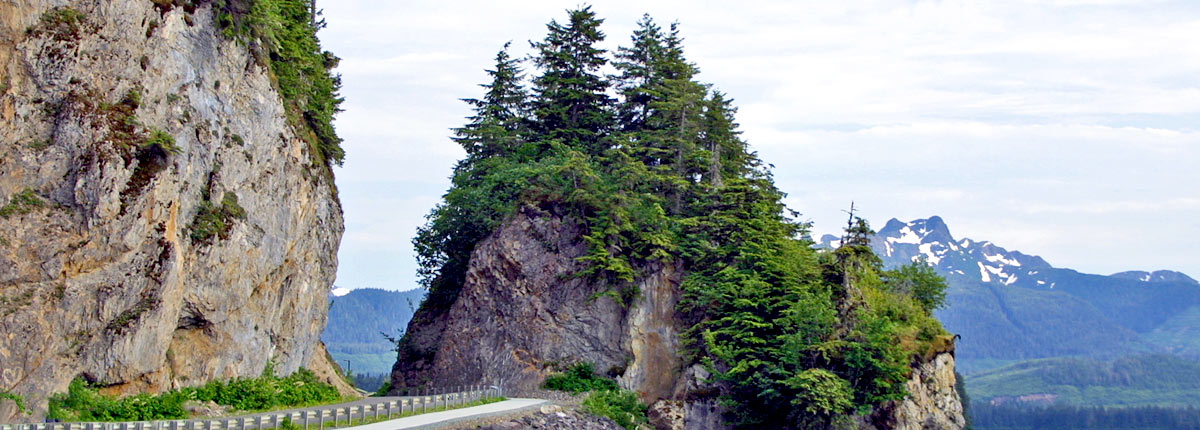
[[678, 117], [662, 110], [638, 71], [572, 105], [727, 154], [500, 120]]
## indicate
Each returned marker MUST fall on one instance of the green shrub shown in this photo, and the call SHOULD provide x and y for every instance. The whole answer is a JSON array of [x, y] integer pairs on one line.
[[84, 403], [821, 397], [162, 141], [22, 203], [579, 378], [216, 220], [301, 388], [39, 145], [383, 389], [621, 406], [920, 281]]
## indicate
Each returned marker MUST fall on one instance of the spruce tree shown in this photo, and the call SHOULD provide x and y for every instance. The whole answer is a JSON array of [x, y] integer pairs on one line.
[[572, 105], [500, 120], [727, 154], [639, 72]]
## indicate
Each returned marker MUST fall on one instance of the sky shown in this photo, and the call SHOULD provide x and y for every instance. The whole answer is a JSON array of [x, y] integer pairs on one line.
[[1066, 129]]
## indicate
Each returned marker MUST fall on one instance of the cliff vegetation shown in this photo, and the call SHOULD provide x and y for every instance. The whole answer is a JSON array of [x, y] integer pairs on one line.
[[660, 176]]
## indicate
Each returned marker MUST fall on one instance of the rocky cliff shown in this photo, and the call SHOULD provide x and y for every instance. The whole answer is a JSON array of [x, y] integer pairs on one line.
[[163, 223], [522, 314], [932, 403]]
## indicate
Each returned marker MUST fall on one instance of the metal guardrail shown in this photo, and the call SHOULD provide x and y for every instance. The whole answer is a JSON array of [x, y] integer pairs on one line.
[[318, 418]]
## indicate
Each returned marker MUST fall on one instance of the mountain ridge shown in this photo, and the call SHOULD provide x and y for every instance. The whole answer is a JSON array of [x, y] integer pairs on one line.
[[934, 242]]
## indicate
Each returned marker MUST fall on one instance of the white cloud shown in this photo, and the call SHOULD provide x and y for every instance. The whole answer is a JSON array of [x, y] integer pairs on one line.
[[1038, 125]]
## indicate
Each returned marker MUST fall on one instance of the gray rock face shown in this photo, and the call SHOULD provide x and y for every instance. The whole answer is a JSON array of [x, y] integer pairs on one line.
[[104, 277], [521, 313], [932, 404]]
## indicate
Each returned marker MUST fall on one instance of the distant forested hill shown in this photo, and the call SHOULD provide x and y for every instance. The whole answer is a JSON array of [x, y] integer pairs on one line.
[[1145, 380], [356, 321]]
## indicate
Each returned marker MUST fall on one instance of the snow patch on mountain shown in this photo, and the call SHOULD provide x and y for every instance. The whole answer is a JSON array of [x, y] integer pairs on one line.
[[1000, 258], [907, 235], [930, 256]]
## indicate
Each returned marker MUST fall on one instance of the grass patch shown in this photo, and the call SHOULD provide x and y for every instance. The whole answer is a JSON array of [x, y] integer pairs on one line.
[[39, 145], [20, 401], [22, 203]]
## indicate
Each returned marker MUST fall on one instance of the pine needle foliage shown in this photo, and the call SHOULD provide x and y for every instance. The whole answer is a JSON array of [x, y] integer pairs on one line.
[[794, 337]]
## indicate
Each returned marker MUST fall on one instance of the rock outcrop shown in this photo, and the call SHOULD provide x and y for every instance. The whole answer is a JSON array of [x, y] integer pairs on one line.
[[520, 313], [163, 223], [523, 314], [932, 403]]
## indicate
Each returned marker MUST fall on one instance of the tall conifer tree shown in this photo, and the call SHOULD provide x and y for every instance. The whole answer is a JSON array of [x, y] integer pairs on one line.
[[500, 120], [572, 105], [639, 72]]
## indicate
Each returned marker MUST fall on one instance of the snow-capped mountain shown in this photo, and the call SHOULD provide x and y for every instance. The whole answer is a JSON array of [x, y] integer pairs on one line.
[[899, 243]]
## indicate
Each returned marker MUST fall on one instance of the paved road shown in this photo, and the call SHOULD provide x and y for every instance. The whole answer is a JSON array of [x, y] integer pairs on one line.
[[457, 416], [334, 415]]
